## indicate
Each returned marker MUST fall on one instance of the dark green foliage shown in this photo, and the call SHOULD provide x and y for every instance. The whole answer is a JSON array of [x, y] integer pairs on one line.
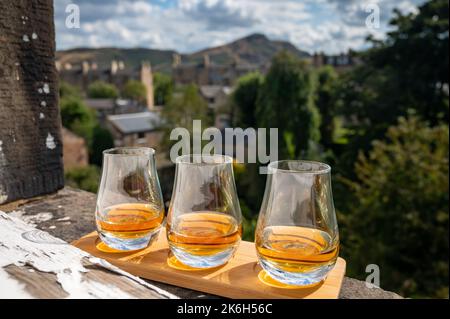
[[406, 73], [66, 90], [414, 60], [244, 98], [185, 106], [324, 99], [285, 102], [77, 117], [390, 176], [163, 85], [395, 211], [86, 178], [101, 140], [135, 90], [102, 90], [81, 120], [400, 218]]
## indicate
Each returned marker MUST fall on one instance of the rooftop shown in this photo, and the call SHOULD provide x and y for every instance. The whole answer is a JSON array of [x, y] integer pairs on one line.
[[135, 122], [211, 91]]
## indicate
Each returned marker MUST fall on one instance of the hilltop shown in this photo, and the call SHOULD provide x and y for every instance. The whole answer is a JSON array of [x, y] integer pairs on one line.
[[254, 49]]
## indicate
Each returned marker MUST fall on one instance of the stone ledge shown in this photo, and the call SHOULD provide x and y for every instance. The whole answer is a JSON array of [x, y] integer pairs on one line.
[[69, 214]]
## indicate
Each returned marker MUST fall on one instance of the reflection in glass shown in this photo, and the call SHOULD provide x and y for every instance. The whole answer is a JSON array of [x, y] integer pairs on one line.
[[204, 223], [130, 208], [297, 238]]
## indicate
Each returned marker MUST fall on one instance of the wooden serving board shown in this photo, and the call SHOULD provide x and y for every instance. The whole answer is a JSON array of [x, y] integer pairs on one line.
[[236, 279]]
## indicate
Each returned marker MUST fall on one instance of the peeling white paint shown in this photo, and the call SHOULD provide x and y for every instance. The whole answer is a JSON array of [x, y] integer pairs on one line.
[[52, 227], [40, 91], [41, 116], [13, 135], [63, 219], [46, 88], [32, 220], [25, 38], [50, 142], [34, 36], [43, 103], [57, 257], [11, 288], [1, 148]]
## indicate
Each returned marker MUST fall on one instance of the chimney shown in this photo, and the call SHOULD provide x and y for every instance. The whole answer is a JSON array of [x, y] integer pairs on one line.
[[147, 80], [114, 67], [318, 59], [206, 60], [58, 65], [176, 60], [85, 67]]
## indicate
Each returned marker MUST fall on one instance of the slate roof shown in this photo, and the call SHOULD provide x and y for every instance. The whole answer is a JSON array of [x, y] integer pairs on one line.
[[135, 122]]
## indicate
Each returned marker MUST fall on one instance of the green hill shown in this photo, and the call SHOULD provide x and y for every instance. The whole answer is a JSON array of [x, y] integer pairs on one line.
[[254, 49]]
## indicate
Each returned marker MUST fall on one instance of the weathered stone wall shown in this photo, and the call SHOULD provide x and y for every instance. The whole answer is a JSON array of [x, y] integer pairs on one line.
[[30, 137]]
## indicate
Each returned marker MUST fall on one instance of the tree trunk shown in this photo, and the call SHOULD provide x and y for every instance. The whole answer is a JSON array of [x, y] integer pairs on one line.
[[30, 124]]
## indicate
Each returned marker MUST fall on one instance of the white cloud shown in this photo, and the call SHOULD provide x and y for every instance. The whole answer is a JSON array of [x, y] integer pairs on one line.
[[189, 25]]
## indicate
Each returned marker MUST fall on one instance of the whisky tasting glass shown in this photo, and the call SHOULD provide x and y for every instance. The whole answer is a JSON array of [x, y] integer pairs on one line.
[[297, 239], [204, 223], [130, 209]]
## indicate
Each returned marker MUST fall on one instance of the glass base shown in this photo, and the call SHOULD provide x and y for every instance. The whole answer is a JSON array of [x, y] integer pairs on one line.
[[296, 278], [128, 244], [202, 261]]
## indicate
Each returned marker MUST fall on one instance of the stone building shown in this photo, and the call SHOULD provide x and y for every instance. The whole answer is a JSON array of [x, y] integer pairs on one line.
[[341, 62], [215, 95], [105, 107], [136, 129], [75, 152], [117, 73], [209, 73]]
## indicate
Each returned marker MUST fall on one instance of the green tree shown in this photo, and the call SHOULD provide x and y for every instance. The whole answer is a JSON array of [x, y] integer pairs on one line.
[[67, 90], [405, 73], [135, 90], [102, 139], [285, 102], [244, 98], [163, 85], [100, 89], [86, 178], [324, 98], [415, 58], [77, 117], [81, 120], [399, 218], [184, 107]]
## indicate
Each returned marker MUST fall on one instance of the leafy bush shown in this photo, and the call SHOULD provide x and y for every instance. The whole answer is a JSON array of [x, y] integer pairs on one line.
[[164, 87], [399, 219], [100, 89], [285, 101], [86, 178], [135, 90]]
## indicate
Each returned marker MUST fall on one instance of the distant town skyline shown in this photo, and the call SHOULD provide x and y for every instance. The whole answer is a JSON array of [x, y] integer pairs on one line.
[[331, 26]]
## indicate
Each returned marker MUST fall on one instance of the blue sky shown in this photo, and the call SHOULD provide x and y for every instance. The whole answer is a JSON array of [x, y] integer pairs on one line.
[[331, 26]]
